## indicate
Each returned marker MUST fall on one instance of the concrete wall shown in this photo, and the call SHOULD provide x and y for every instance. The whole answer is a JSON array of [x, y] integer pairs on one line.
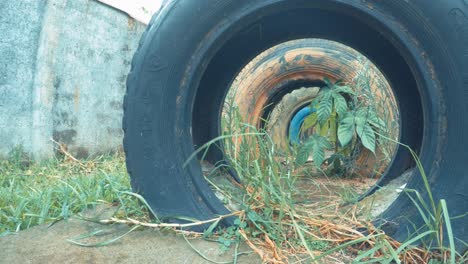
[[63, 66]]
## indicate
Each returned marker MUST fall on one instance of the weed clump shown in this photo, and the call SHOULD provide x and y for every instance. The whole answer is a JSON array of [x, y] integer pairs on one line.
[[281, 228], [58, 189]]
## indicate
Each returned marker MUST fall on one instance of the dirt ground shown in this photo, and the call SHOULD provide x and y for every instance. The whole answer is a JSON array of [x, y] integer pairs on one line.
[[44, 244], [49, 244]]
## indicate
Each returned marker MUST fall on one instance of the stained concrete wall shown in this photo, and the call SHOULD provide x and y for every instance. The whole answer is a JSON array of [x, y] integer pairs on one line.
[[63, 66]]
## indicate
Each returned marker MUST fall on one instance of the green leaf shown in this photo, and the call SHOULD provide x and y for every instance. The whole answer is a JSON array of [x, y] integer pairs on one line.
[[367, 135], [318, 145], [346, 130], [344, 90], [325, 107], [310, 121], [327, 82], [376, 121], [227, 243], [210, 230], [323, 142], [361, 117], [340, 104], [324, 129], [318, 155], [303, 154], [252, 216]]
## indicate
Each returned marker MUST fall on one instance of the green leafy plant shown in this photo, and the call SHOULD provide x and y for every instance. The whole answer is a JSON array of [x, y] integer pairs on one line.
[[273, 219], [317, 144], [341, 122], [231, 235], [330, 103], [331, 100], [363, 123]]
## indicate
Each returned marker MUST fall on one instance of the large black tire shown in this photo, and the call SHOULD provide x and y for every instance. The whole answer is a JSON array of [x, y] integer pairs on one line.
[[194, 49]]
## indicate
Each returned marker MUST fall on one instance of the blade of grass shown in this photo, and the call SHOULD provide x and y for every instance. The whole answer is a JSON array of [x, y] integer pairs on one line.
[[448, 224], [210, 230], [369, 253], [304, 242], [413, 240], [374, 261], [236, 253], [80, 237], [211, 142], [392, 251], [201, 254], [143, 200], [347, 244], [100, 244]]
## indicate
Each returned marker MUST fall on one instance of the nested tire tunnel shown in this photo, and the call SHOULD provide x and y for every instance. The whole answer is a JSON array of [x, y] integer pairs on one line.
[[274, 92], [193, 50]]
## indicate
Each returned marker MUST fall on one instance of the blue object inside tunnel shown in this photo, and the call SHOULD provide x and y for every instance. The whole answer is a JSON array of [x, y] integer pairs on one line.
[[296, 124]]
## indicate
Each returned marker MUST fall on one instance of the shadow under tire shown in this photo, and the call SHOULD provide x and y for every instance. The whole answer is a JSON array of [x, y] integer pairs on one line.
[[194, 49]]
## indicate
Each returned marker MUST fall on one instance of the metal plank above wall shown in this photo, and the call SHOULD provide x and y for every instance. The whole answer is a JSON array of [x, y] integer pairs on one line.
[[141, 10]]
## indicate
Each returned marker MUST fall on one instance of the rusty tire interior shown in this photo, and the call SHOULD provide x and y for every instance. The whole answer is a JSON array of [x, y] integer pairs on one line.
[[270, 90]]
